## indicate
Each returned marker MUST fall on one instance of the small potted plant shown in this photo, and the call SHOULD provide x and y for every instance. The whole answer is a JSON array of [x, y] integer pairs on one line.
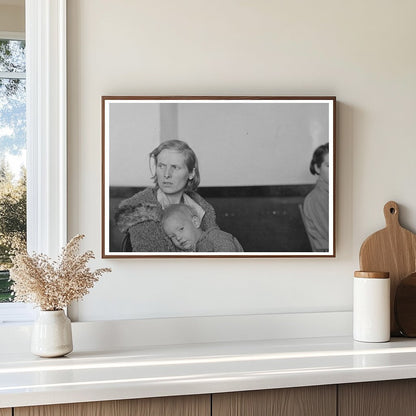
[[51, 286]]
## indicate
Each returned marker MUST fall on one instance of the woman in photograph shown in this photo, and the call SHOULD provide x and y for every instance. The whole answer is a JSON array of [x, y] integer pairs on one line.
[[176, 176], [316, 204]]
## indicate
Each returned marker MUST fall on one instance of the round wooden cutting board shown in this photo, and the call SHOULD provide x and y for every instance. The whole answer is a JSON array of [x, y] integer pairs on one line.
[[392, 250]]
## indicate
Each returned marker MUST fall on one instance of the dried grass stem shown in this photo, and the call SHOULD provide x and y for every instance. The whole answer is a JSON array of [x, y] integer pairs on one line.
[[53, 285]]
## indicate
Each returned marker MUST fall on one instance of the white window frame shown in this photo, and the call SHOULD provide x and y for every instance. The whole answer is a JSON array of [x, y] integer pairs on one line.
[[46, 134], [12, 35], [46, 125]]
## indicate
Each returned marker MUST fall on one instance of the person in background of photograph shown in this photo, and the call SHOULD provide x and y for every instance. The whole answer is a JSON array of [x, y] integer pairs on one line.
[[176, 176], [316, 203], [182, 226]]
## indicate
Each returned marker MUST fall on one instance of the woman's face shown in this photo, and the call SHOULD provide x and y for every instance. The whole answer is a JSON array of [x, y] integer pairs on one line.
[[171, 171], [323, 170]]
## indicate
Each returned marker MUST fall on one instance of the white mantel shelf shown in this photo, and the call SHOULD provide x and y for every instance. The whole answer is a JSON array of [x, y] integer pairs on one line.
[[151, 371]]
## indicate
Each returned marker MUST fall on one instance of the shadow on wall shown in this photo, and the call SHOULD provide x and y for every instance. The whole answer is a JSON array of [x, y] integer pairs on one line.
[[262, 218]]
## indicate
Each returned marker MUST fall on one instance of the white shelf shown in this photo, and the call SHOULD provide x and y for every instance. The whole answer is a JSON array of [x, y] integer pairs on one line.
[[150, 371]]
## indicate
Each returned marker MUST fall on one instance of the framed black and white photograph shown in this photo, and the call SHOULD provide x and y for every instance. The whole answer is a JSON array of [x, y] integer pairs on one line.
[[218, 176]]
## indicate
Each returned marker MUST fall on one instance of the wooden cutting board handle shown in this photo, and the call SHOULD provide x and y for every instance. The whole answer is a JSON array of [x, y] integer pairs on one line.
[[391, 214], [393, 250]]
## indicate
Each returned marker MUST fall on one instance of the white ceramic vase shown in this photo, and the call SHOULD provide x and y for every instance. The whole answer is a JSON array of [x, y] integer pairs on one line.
[[52, 334]]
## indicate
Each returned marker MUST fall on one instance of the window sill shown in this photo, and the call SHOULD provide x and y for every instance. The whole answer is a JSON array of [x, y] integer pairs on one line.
[[16, 313]]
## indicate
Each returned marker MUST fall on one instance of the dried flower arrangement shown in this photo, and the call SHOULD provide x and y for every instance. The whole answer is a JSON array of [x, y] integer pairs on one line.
[[52, 285]]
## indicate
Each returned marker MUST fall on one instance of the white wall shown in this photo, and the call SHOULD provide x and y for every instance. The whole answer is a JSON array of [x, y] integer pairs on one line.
[[137, 128], [237, 144], [361, 51], [254, 144]]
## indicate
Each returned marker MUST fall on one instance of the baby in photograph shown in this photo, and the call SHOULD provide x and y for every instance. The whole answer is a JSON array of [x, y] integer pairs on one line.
[[182, 226]]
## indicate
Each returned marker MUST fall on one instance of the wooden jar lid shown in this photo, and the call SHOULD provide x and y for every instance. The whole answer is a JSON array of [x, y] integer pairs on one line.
[[372, 275]]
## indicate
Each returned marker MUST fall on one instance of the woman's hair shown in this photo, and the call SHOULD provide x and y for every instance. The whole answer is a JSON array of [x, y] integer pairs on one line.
[[177, 209], [318, 158], [191, 161]]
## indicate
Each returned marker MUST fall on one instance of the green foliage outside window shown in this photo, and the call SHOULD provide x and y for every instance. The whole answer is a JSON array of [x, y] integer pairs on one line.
[[12, 147], [12, 224]]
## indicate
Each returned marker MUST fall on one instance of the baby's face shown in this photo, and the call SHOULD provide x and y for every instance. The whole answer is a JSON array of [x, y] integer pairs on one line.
[[182, 231]]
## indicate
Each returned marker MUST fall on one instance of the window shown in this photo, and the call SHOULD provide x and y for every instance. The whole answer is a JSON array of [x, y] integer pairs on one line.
[[46, 135], [12, 154]]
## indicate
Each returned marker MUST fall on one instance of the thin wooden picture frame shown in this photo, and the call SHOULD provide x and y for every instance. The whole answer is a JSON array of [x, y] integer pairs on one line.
[[267, 170]]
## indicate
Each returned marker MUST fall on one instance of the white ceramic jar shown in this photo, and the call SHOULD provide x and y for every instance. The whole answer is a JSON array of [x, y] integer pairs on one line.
[[371, 306]]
